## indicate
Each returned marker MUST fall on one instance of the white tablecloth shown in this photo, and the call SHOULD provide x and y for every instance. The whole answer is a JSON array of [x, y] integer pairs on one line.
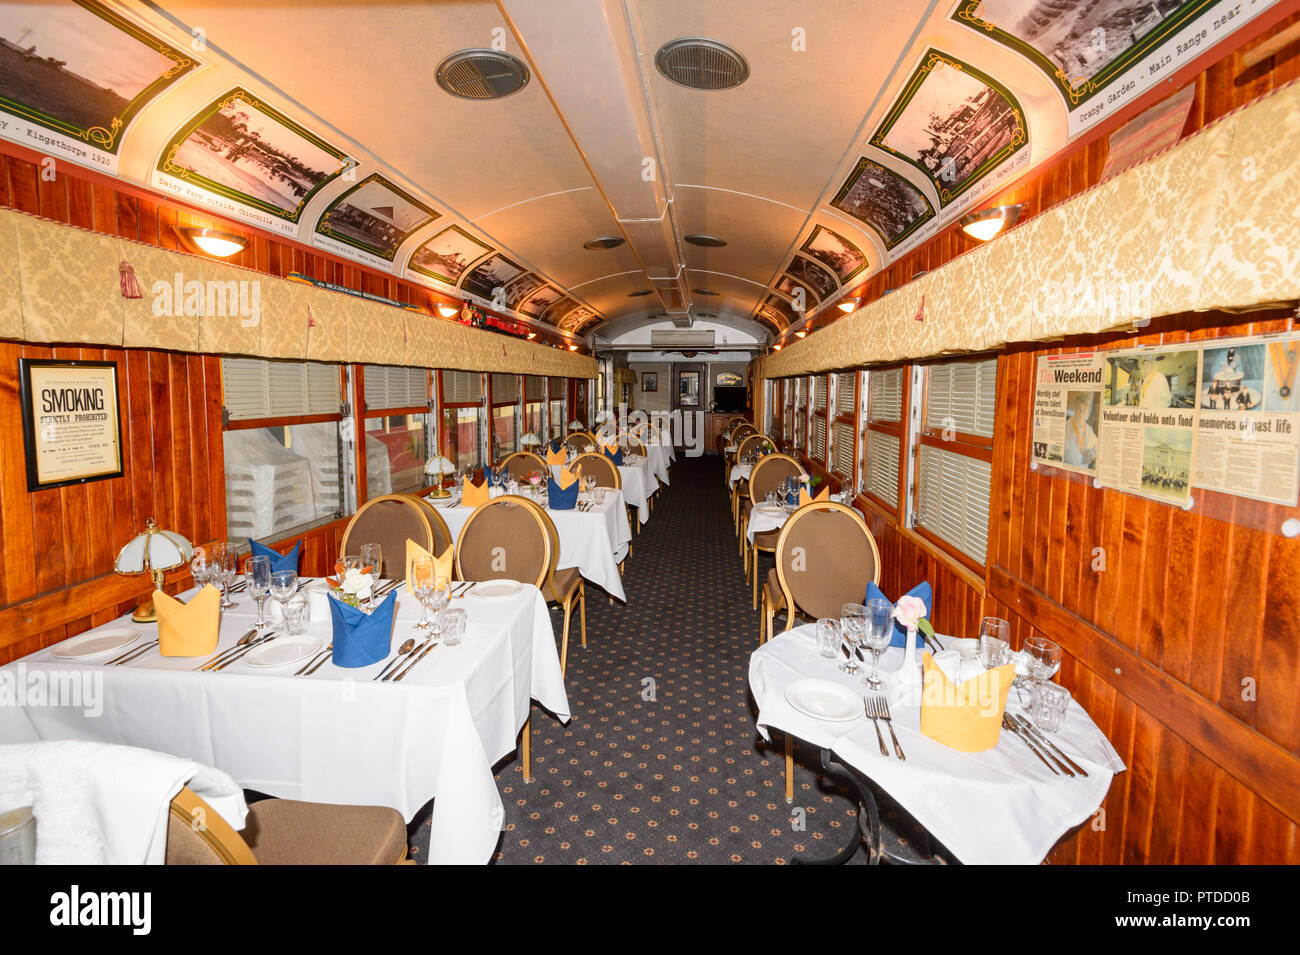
[[639, 483], [336, 736], [594, 541], [739, 472], [766, 517], [1002, 806], [660, 455]]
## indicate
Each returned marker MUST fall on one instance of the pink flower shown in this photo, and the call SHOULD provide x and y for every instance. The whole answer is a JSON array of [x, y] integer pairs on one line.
[[909, 610]]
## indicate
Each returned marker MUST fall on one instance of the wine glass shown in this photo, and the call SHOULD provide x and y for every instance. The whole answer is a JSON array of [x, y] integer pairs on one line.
[[223, 571], [1042, 658], [589, 482], [439, 597], [284, 584], [200, 568], [853, 624], [423, 581], [258, 574], [372, 556], [879, 633]]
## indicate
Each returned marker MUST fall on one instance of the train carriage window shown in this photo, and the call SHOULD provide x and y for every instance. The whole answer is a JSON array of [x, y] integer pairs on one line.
[[396, 428], [534, 406], [818, 429], [461, 412], [505, 411], [843, 456], [881, 458], [556, 418]]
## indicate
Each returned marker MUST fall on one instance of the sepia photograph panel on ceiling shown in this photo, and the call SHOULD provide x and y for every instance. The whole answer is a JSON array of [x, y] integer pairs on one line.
[[374, 216], [953, 123], [779, 311], [447, 255], [836, 252], [885, 201], [243, 150], [813, 276], [531, 295], [73, 75], [495, 273], [1085, 48], [521, 288], [796, 292]]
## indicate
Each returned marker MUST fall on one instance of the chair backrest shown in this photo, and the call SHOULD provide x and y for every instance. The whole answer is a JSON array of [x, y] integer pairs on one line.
[[825, 557], [601, 467], [769, 473], [390, 521], [522, 463], [631, 442], [742, 431], [553, 533], [504, 539], [749, 443], [579, 440], [442, 535], [197, 835]]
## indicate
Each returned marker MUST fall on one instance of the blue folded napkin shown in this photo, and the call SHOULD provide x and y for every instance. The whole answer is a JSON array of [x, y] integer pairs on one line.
[[558, 499], [921, 590], [361, 638], [556, 445], [279, 561], [616, 457]]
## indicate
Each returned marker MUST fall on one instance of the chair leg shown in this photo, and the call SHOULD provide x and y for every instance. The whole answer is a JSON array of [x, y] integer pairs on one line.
[[771, 617], [762, 630], [754, 562], [564, 642], [789, 768], [527, 750], [582, 610]]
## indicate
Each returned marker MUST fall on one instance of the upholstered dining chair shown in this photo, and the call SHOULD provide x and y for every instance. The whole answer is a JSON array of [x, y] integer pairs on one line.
[[510, 538], [769, 473], [391, 520], [740, 490], [825, 557], [578, 441], [522, 463], [284, 832]]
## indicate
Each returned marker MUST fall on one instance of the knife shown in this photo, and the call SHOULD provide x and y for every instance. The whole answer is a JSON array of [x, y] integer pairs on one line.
[[244, 649], [418, 657], [239, 645], [1052, 747], [1007, 724]]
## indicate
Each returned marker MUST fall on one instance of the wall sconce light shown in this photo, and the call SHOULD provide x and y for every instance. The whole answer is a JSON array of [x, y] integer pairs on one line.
[[849, 304], [776, 347], [448, 311], [531, 336], [213, 241], [801, 333], [573, 348], [987, 223]]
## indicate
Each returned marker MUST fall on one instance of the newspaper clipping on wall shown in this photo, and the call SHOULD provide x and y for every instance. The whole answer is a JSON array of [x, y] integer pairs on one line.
[[1248, 440], [1067, 408], [1148, 421]]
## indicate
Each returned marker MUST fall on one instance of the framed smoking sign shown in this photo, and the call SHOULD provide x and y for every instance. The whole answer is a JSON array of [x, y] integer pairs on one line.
[[72, 424]]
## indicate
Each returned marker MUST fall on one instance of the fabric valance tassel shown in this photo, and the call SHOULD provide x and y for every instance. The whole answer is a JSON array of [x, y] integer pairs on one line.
[[130, 284]]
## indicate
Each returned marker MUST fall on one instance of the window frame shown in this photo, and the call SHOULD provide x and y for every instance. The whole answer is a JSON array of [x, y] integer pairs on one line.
[[444, 405], [851, 419], [365, 412], [494, 452], [824, 415], [896, 429]]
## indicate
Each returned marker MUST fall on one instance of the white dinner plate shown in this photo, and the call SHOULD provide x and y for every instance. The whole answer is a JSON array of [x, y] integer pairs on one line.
[[770, 508], [496, 588], [279, 651], [100, 641], [824, 700], [450, 500]]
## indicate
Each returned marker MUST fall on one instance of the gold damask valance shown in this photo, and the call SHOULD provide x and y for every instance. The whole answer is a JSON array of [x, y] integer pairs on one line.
[[1214, 223], [62, 285]]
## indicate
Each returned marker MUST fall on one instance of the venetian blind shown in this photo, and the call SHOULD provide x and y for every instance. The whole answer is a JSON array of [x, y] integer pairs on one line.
[[533, 387], [962, 395], [504, 388], [819, 392], [880, 466], [462, 387], [843, 463], [262, 388], [818, 448], [390, 387], [846, 393], [885, 394], [952, 499]]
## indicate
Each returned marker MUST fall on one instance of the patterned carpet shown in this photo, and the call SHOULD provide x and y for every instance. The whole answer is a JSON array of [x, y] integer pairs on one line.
[[661, 762]]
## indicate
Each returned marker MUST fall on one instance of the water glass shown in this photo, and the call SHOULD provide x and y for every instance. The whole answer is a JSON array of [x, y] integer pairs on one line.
[[454, 623], [200, 568], [994, 651], [423, 580], [828, 637], [297, 614], [1048, 706], [258, 574], [284, 584], [878, 635]]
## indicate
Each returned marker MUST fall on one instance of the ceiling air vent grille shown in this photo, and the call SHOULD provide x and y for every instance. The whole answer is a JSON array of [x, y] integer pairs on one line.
[[702, 64], [482, 74], [673, 339]]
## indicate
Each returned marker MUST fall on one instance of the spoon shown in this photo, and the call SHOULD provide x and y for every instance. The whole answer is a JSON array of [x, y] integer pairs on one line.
[[404, 649], [243, 642]]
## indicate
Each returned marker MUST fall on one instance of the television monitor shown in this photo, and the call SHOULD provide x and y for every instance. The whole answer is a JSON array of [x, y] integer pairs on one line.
[[731, 398]]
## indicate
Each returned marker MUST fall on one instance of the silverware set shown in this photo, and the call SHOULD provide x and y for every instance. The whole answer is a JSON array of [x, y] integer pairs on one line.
[[877, 709], [242, 646], [316, 662], [133, 654], [1042, 747]]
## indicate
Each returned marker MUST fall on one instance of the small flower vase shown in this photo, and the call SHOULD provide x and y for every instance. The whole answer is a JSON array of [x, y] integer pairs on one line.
[[905, 685]]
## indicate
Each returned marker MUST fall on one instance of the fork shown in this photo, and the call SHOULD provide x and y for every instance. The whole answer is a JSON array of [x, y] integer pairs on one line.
[[869, 705], [883, 705], [133, 654], [319, 656]]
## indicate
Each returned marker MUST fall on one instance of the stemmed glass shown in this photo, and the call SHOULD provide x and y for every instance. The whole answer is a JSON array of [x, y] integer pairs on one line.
[[439, 597], [223, 570], [200, 568], [372, 556], [853, 624], [284, 584], [589, 482], [879, 633], [258, 574], [1042, 659]]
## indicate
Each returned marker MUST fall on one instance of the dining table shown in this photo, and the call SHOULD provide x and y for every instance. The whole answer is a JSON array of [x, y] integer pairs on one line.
[[765, 517], [1004, 805], [639, 482], [739, 472], [335, 735], [594, 537]]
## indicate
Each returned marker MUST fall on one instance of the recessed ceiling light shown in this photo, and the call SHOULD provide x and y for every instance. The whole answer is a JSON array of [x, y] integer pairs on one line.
[[704, 239], [987, 223], [603, 242], [704, 291], [641, 291], [214, 241]]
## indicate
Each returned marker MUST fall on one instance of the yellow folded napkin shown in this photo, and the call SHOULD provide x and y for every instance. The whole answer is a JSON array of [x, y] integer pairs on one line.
[[825, 495], [472, 495], [556, 457], [188, 630], [442, 564], [965, 717], [567, 477]]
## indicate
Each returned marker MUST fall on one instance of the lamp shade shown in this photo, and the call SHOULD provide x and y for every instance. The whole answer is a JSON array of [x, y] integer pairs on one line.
[[439, 465], [530, 440], [153, 550], [575, 425]]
